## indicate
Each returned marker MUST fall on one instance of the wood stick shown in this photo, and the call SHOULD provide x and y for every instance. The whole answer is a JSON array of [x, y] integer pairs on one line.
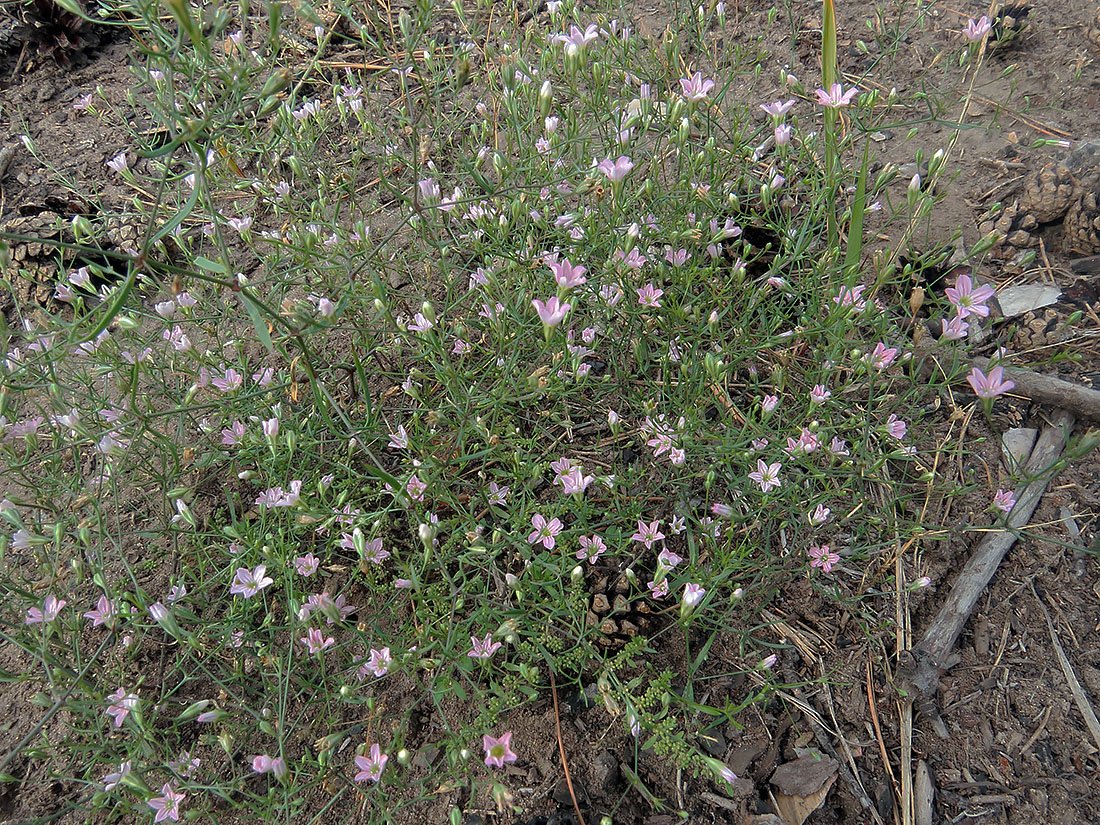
[[919, 669], [1045, 389]]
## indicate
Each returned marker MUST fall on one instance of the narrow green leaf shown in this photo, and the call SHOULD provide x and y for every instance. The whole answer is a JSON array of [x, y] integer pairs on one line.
[[211, 266], [258, 322], [179, 217]]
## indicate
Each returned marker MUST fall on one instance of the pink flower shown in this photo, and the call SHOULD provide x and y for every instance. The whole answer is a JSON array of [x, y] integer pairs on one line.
[[119, 163], [616, 170], [658, 590], [265, 764], [896, 427], [105, 613], [1004, 500], [576, 40], [882, 356], [306, 565], [766, 475], [649, 296], [379, 662], [677, 257], [567, 276], [111, 780], [977, 29], [483, 648], [823, 557], [574, 482], [228, 381], [552, 312], [415, 488], [122, 704], [782, 134], [50, 609], [836, 97], [247, 583], [989, 386], [544, 531], [769, 403], [316, 642], [167, 805], [667, 560], [497, 495], [968, 300], [779, 108], [498, 751], [592, 547], [819, 395], [820, 515], [839, 446], [693, 594], [647, 534], [371, 767], [695, 88], [400, 439], [954, 329]]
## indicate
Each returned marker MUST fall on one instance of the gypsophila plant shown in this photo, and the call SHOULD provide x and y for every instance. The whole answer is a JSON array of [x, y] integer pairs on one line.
[[437, 369]]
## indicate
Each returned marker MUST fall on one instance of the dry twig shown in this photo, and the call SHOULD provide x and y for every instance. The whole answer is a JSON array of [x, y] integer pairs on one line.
[[919, 668]]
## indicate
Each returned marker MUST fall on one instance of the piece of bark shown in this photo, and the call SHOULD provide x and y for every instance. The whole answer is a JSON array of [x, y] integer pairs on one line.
[[919, 669]]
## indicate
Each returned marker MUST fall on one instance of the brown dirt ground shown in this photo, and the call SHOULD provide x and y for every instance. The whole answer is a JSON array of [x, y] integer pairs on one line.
[[1018, 750]]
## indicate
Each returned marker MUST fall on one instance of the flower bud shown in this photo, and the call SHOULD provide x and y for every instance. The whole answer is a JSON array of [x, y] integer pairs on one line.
[[546, 98]]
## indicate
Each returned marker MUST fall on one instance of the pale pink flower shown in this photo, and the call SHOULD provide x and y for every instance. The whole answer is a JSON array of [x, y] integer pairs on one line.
[[379, 662], [617, 169], [266, 764], [415, 488], [370, 767], [968, 300], [782, 134], [111, 780], [647, 534], [552, 312], [316, 642], [50, 609], [544, 531], [667, 560], [1004, 500], [400, 439], [592, 547], [567, 275], [306, 565], [954, 329], [575, 481], [766, 475], [105, 613], [122, 703], [677, 257], [989, 386], [696, 88], [769, 403], [119, 163], [576, 39], [483, 648], [977, 29], [839, 446], [498, 750], [882, 356], [836, 97], [658, 590], [167, 805], [823, 557], [896, 427], [779, 108], [497, 495], [693, 594], [819, 395], [650, 296], [247, 583], [819, 516]]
